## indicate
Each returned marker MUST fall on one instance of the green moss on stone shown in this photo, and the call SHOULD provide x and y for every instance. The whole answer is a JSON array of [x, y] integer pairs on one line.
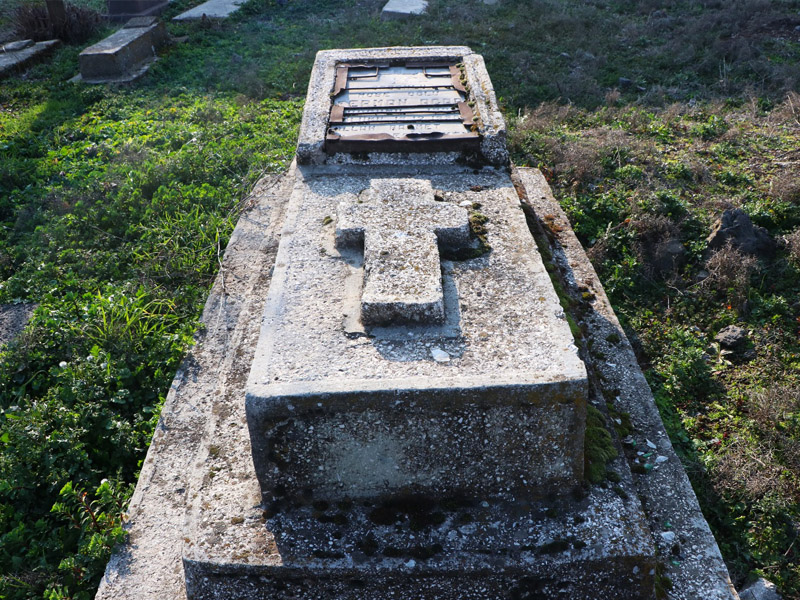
[[598, 446]]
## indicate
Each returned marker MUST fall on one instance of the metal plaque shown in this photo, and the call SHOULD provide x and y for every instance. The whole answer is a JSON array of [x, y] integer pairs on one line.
[[400, 108]]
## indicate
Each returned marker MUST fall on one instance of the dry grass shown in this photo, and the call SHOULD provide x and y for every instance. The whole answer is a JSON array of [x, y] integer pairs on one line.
[[785, 185], [729, 272], [775, 413], [745, 469], [655, 233], [793, 246], [31, 21]]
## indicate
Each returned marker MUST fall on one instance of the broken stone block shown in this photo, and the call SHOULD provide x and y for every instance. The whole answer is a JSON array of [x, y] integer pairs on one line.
[[16, 46], [732, 337], [125, 54], [15, 56]]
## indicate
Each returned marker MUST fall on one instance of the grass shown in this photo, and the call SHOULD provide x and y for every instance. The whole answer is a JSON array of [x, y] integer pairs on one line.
[[649, 118], [631, 179]]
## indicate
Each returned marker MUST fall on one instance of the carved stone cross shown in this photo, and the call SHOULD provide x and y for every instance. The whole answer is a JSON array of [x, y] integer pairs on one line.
[[399, 224]]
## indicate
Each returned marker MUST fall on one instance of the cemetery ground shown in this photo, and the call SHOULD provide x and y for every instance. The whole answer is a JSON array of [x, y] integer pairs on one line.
[[649, 119]]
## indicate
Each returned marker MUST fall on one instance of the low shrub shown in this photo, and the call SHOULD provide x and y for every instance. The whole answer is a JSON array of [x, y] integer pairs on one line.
[[32, 21]]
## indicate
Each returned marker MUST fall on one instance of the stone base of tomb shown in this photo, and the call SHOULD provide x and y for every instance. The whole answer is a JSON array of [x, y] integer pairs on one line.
[[416, 547]]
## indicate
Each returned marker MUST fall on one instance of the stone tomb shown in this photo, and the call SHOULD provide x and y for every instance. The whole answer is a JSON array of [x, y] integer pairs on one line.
[[126, 54], [416, 406]]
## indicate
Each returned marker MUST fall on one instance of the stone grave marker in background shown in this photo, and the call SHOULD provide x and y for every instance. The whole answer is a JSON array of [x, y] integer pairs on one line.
[[416, 405], [126, 54], [403, 9], [211, 9], [19, 54], [122, 10]]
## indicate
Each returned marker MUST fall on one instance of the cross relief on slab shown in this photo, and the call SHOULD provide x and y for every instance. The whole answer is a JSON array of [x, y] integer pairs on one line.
[[401, 225]]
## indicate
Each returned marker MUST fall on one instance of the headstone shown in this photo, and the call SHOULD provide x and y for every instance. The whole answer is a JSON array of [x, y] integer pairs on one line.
[[402, 9], [124, 55], [416, 405]]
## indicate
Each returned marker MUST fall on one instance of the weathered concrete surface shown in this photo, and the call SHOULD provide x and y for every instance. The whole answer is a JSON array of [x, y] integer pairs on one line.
[[452, 546], [489, 121], [210, 382], [212, 9], [402, 9], [453, 549], [689, 552], [357, 414], [15, 56], [124, 55]]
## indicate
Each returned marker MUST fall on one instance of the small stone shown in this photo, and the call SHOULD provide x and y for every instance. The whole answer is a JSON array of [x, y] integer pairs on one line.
[[650, 444], [411, 564], [661, 459], [440, 355], [760, 590], [668, 536], [735, 225], [624, 82], [731, 337]]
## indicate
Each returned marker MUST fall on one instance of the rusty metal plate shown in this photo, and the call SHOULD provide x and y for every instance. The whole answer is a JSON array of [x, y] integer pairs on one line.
[[408, 108]]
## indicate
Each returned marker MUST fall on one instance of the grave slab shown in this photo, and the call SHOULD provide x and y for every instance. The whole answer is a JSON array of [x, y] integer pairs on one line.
[[123, 10], [125, 55], [212, 9], [403, 9], [15, 56], [199, 461]]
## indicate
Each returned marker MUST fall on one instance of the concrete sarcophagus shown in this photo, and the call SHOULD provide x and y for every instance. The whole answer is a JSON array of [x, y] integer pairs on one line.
[[416, 404]]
